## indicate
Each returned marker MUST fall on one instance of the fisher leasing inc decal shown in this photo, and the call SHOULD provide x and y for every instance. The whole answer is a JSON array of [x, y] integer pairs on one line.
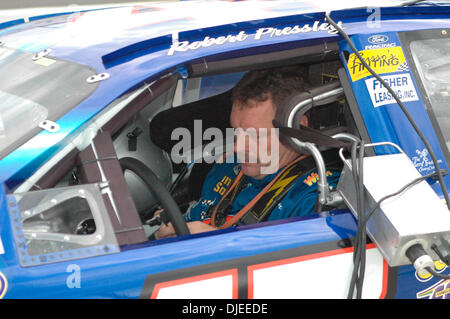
[[261, 33]]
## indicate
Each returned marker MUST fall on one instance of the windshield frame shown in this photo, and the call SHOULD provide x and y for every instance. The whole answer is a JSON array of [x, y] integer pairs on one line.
[[406, 39]]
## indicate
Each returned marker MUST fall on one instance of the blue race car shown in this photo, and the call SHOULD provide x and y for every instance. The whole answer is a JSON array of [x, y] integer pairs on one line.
[[89, 102]]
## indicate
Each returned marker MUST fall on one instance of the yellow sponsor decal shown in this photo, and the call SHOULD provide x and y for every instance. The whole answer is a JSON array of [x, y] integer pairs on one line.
[[314, 178], [222, 186], [384, 60]]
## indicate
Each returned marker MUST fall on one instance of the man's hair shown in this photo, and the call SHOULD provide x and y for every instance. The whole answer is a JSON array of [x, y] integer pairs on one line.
[[275, 83]]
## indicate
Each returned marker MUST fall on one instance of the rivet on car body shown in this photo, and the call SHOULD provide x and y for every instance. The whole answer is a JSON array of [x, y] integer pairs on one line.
[[49, 126], [98, 77], [41, 54]]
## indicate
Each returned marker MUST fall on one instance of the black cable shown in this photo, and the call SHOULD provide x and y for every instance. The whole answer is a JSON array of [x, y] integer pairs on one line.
[[363, 235], [359, 254], [359, 251], [354, 278], [436, 274], [444, 259], [399, 102], [417, 251], [360, 240], [401, 190]]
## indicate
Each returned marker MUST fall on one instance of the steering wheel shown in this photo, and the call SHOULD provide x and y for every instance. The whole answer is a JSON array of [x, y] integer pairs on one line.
[[159, 191]]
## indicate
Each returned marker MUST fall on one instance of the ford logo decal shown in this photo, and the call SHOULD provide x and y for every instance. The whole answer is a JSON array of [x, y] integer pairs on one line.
[[379, 38]]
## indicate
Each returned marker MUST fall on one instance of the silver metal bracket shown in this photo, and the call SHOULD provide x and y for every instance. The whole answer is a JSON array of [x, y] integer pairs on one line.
[[41, 54], [97, 78], [415, 216], [326, 195], [49, 126]]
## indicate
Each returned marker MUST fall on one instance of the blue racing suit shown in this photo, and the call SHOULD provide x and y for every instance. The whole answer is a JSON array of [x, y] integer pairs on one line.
[[298, 201]]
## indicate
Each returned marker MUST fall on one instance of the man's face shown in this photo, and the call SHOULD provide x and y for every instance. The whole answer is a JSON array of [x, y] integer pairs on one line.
[[256, 141]]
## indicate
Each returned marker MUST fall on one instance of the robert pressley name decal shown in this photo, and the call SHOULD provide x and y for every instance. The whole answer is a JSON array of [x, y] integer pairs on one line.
[[261, 33], [230, 309]]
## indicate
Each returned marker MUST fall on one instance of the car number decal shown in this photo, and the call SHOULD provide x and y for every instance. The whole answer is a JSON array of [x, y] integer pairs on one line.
[[291, 278], [440, 290], [280, 275], [221, 285]]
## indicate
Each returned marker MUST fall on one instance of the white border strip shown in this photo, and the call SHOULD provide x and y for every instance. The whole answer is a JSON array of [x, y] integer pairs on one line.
[[2, 250]]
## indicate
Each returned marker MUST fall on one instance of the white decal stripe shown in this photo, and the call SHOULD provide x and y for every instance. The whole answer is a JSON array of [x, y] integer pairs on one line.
[[2, 250], [220, 285], [402, 84], [320, 277]]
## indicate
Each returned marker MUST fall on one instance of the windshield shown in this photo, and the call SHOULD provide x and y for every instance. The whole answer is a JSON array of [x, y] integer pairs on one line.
[[432, 59], [34, 90]]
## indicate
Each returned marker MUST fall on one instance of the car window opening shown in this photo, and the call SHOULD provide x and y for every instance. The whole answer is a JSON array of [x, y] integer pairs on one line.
[[332, 118], [145, 133]]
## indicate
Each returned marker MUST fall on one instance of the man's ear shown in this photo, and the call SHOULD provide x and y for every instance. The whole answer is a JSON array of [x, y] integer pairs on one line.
[[304, 120]]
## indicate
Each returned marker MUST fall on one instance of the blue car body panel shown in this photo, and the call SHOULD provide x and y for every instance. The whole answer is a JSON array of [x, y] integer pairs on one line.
[[140, 262], [140, 52]]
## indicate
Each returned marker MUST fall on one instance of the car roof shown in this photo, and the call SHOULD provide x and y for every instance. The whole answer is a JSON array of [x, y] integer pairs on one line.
[[86, 36], [111, 39], [95, 37]]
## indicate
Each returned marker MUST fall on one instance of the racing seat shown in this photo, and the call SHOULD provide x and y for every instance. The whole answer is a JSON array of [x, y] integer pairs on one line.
[[213, 112]]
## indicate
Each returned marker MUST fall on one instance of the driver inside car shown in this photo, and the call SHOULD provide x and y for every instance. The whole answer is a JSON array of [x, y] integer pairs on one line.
[[257, 185]]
